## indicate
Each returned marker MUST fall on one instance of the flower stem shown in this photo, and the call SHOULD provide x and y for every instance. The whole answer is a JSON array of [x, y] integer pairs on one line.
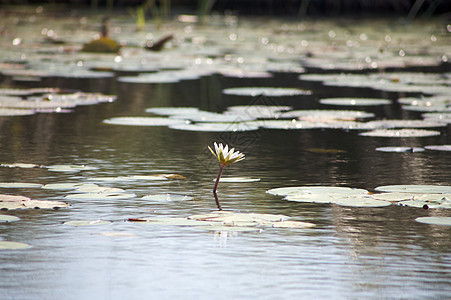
[[217, 201], [217, 179]]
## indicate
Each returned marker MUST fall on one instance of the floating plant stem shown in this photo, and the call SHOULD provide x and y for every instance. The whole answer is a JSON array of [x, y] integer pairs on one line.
[[225, 158]]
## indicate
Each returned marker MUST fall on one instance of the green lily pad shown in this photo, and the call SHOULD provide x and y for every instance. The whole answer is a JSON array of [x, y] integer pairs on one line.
[[8, 218], [167, 197], [312, 198], [427, 201], [67, 186], [12, 198], [406, 124], [355, 101], [400, 149], [240, 73], [16, 112], [10, 202], [44, 204], [212, 117], [215, 127], [21, 165], [286, 124], [232, 218], [99, 189], [394, 197], [258, 111], [267, 91], [19, 185], [105, 195], [327, 115], [7, 245], [87, 223], [401, 133], [361, 201], [237, 179], [285, 191], [291, 224], [143, 121], [438, 147], [446, 221], [418, 189], [158, 177], [70, 168], [172, 111], [176, 221]]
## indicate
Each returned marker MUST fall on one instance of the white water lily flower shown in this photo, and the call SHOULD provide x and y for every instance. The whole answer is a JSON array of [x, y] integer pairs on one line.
[[226, 156]]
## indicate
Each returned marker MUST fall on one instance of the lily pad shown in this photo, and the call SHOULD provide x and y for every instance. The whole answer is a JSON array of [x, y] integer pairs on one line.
[[258, 111], [10, 202], [8, 218], [12, 198], [232, 218], [285, 191], [143, 121], [16, 112], [446, 221], [416, 189], [19, 185], [400, 149], [176, 221], [438, 147], [292, 224], [215, 127], [157, 177], [67, 186], [361, 201], [267, 91], [172, 111], [87, 223], [394, 196], [167, 197], [21, 165], [312, 198], [442, 117], [70, 168], [238, 179], [105, 195], [355, 101], [212, 117], [401, 133], [44, 204], [8, 245], [99, 189], [327, 115], [406, 124], [286, 124]]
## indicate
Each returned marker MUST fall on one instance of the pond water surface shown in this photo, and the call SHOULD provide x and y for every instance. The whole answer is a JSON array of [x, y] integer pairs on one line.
[[352, 253]]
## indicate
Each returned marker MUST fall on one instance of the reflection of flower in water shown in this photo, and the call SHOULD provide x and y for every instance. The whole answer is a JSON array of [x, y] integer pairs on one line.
[[225, 158]]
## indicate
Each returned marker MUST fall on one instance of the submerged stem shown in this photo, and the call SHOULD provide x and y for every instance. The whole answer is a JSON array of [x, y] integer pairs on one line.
[[217, 201]]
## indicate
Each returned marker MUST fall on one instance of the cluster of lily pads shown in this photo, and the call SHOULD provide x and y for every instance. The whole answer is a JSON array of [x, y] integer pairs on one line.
[[254, 117], [421, 196], [20, 102]]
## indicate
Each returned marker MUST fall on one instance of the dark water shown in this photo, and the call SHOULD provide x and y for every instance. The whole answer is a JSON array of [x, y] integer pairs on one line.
[[353, 253]]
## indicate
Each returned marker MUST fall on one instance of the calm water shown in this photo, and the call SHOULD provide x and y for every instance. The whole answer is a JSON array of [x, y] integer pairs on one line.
[[353, 253]]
